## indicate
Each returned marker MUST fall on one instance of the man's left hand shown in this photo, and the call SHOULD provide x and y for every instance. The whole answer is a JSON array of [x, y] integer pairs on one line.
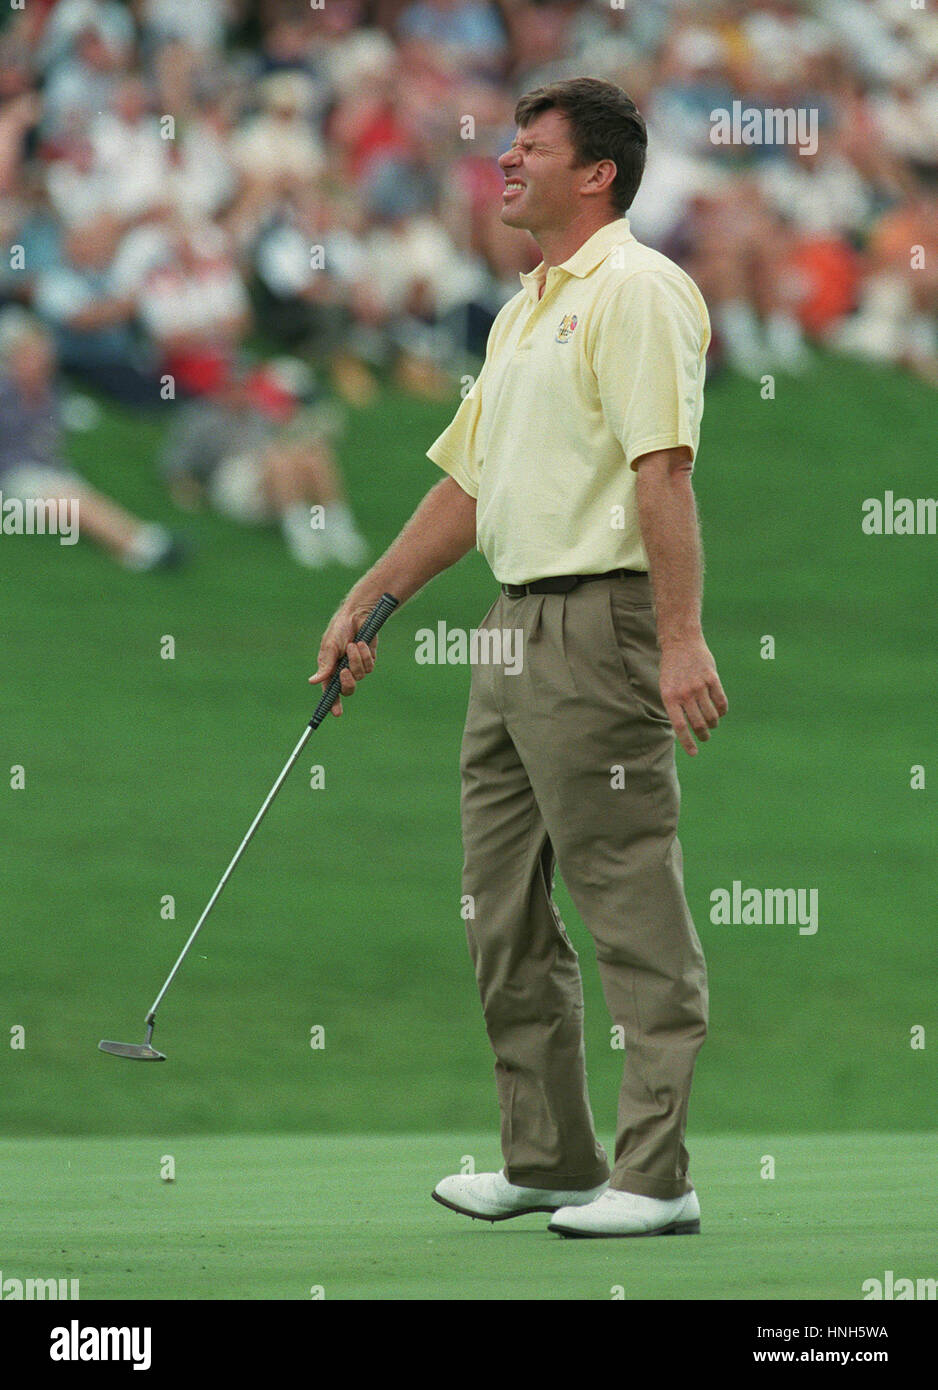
[[691, 691]]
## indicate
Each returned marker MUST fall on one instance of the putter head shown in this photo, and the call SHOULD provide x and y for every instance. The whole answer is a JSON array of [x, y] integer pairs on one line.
[[138, 1052]]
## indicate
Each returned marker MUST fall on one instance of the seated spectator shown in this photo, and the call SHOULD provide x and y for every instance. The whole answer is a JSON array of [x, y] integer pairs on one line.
[[32, 464], [80, 86], [130, 156], [200, 26], [305, 305], [465, 34], [195, 309], [824, 272], [278, 151], [410, 302], [253, 456], [348, 55], [732, 245], [819, 193], [75, 185], [203, 180], [69, 20], [367, 126], [898, 305], [92, 318]]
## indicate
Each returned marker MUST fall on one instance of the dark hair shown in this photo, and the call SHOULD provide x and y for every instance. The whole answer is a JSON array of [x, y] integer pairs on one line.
[[604, 124]]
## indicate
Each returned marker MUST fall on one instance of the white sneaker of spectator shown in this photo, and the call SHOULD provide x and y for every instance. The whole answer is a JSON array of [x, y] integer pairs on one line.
[[745, 349], [306, 545], [786, 344], [152, 548], [344, 541]]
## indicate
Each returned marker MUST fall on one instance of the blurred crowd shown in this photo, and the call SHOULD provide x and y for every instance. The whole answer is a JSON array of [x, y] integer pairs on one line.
[[196, 188]]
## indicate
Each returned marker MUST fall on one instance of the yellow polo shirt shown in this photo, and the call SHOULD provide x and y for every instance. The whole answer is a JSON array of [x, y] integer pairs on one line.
[[608, 365]]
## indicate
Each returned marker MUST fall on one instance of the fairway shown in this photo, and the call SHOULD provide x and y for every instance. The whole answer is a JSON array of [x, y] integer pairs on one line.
[[142, 775], [350, 1217]]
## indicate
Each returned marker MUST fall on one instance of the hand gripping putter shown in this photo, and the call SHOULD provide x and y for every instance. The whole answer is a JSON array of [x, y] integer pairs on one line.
[[145, 1052]]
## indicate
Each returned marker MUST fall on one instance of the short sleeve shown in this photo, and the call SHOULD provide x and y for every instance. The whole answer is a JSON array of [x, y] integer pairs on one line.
[[649, 360], [458, 450]]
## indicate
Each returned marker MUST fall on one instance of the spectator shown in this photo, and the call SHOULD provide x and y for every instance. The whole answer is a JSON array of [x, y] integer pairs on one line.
[[195, 309], [464, 34], [372, 130], [92, 318], [899, 298], [32, 466], [234, 452], [277, 150], [131, 159], [81, 85], [70, 20]]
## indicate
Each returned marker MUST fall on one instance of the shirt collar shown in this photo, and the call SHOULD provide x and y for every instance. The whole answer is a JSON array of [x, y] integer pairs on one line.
[[584, 260]]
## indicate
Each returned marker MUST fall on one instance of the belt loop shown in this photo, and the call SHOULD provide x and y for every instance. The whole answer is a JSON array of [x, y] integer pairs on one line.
[[535, 633]]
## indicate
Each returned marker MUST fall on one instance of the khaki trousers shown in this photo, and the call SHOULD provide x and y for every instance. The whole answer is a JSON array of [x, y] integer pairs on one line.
[[573, 758]]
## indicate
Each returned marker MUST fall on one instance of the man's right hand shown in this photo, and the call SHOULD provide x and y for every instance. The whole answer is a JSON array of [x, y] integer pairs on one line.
[[338, 641], [440, 532]]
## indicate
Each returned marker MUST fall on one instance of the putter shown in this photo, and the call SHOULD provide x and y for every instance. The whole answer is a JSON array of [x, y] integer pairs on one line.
[[145, 1052]]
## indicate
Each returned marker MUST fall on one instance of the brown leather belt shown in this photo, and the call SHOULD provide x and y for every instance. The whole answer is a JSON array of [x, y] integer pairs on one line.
[[563, 583]]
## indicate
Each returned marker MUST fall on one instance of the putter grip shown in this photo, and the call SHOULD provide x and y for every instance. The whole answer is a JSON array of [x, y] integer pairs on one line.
[[376, 618]]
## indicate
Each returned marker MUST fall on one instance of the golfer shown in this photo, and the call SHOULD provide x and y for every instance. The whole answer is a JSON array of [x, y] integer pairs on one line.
[[569, 466]]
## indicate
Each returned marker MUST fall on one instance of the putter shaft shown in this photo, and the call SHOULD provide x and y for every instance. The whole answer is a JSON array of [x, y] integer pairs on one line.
[[230, 869], [381, 611]]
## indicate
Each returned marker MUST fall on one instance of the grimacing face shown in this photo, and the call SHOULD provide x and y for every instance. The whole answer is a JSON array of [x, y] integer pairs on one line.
[[541, 159]]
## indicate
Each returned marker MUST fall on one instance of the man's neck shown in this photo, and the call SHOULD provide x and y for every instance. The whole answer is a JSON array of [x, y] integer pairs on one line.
[[558, 244]]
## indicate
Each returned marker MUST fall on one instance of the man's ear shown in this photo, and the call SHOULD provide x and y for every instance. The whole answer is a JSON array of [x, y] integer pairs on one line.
[[602, 177]]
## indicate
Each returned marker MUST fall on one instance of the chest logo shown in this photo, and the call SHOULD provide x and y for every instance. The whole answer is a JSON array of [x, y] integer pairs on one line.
[[567, 325]]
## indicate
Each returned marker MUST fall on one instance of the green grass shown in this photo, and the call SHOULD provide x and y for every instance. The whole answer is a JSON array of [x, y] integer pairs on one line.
[[276, 1217], [142, 776]]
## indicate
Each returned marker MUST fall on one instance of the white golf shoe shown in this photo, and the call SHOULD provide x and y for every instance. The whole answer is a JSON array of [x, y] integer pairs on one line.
[[627, 1214], [491, 1197]]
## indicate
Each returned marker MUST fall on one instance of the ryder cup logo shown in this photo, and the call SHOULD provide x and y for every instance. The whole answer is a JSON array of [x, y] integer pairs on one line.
[[567, 325]]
